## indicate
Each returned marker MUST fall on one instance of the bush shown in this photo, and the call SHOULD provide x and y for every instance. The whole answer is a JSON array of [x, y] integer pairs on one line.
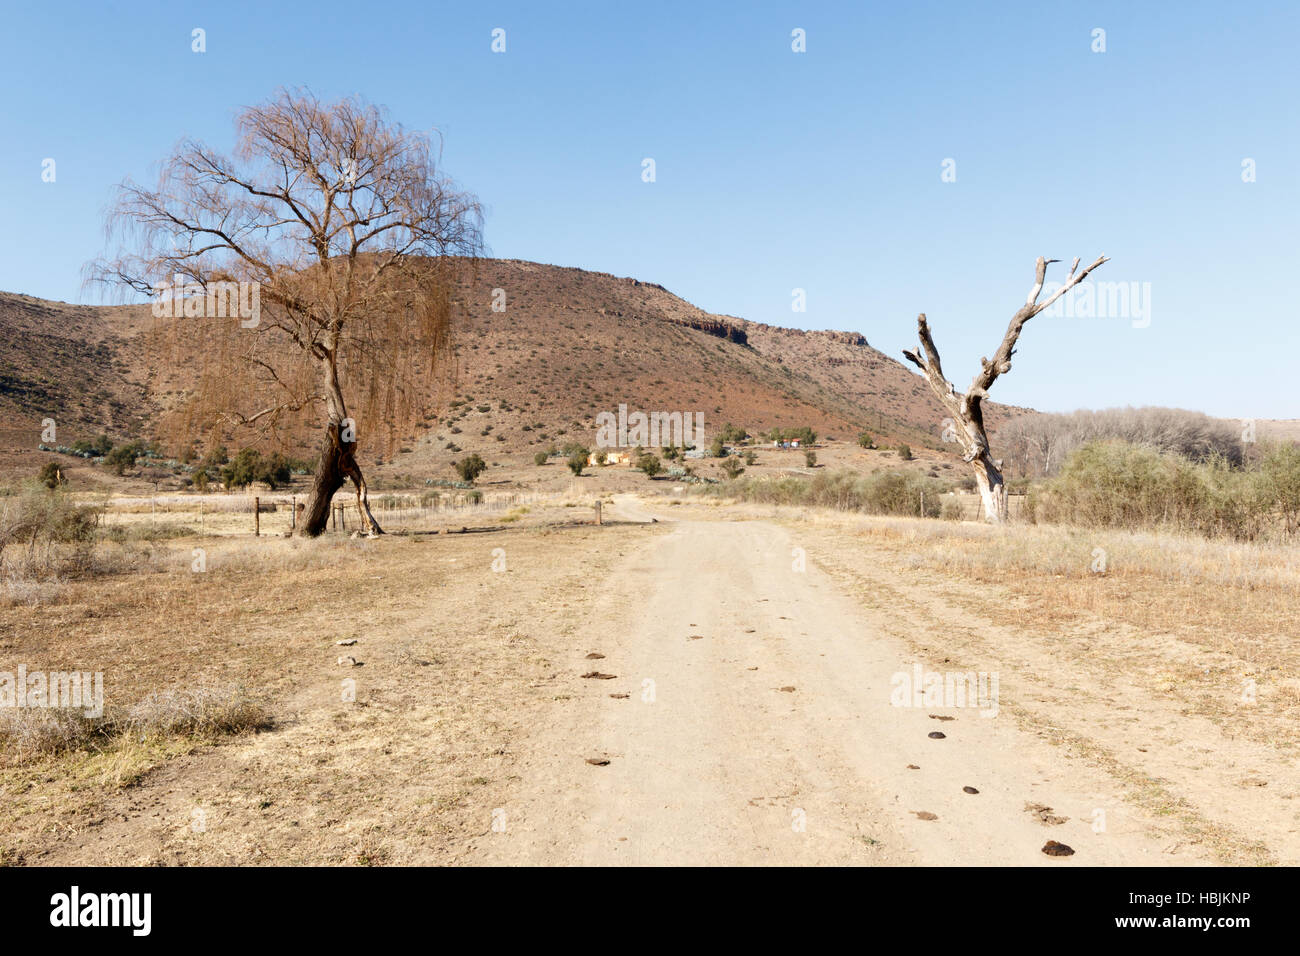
[[540, 458], [97, 448], [250, 466], [650, 464], [884, 492], [732, 469], [37, 521], [1121, 484], [1280, 469], [123, 456], [1038, 444], [470, 468], [51, 475], [810, 458], [803, 434], [905, 452], [866, 441]]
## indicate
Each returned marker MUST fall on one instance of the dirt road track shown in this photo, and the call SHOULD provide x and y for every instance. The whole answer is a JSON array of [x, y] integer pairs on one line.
[[713, 761]]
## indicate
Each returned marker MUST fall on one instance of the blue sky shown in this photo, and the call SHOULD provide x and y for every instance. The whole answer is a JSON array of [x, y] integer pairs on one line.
[[775, 170]]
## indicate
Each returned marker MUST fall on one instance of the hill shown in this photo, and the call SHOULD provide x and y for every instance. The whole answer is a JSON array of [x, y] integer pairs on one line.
[[562, 345]]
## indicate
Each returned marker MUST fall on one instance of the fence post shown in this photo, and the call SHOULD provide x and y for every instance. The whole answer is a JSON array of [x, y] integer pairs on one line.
[[257, 517], [293, 513], [598, 519]]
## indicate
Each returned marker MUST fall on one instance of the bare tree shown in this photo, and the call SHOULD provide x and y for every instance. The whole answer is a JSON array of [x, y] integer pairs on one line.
[[966, 410], [339, 228]]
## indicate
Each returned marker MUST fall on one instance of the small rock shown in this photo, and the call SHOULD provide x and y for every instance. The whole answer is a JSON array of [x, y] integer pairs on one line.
[[936, 735], [969, 790], [1045, 814], [925, 815], [912, 766], [348, 643], [593, 656], [787, 689], [1052, 848], [347, 662], [619, 696], [941, 717], [598, 761], [598, 675]]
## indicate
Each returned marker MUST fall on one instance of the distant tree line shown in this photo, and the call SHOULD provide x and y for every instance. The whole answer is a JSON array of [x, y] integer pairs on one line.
[[1036, 446]]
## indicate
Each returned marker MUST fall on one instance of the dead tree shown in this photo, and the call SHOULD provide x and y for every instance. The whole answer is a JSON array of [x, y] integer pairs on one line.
[[966, 410], [339, 224]]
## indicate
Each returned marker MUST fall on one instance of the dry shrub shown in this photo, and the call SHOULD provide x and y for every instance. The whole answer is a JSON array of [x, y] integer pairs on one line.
[[204, 711], [44, 533], [1116, 484], [880, 493]]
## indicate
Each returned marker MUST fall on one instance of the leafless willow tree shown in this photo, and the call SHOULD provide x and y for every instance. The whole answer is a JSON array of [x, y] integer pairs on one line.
[[347, 233], [966, 410]]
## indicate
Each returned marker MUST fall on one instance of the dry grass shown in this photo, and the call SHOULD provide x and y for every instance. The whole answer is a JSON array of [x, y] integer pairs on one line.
[[203, 712], [453, 669]]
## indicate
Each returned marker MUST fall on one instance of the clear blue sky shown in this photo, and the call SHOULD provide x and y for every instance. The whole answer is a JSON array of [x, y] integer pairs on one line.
[[775, 170]]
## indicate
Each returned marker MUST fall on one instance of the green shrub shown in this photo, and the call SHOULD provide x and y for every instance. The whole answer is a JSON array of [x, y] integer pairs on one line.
[[732, 468], [51, 475], [540, 458], [98, 447], [470, 468], [905, 452], [810, 458], [866, 441], [1122, 485], [250, 466], [883, 492], [123, 456]]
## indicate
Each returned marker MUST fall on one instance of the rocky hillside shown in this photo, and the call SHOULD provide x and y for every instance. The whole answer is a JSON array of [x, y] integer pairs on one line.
[[567, 345]]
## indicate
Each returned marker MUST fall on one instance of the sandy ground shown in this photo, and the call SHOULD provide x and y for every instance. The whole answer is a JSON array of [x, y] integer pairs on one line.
[[745, 710], [750, 722]]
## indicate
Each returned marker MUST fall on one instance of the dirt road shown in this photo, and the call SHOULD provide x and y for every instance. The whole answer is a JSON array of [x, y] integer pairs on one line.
[[750, 721]]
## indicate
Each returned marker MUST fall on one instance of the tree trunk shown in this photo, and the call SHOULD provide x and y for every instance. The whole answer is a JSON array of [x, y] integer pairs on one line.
[[337, 463], [993, 490]]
